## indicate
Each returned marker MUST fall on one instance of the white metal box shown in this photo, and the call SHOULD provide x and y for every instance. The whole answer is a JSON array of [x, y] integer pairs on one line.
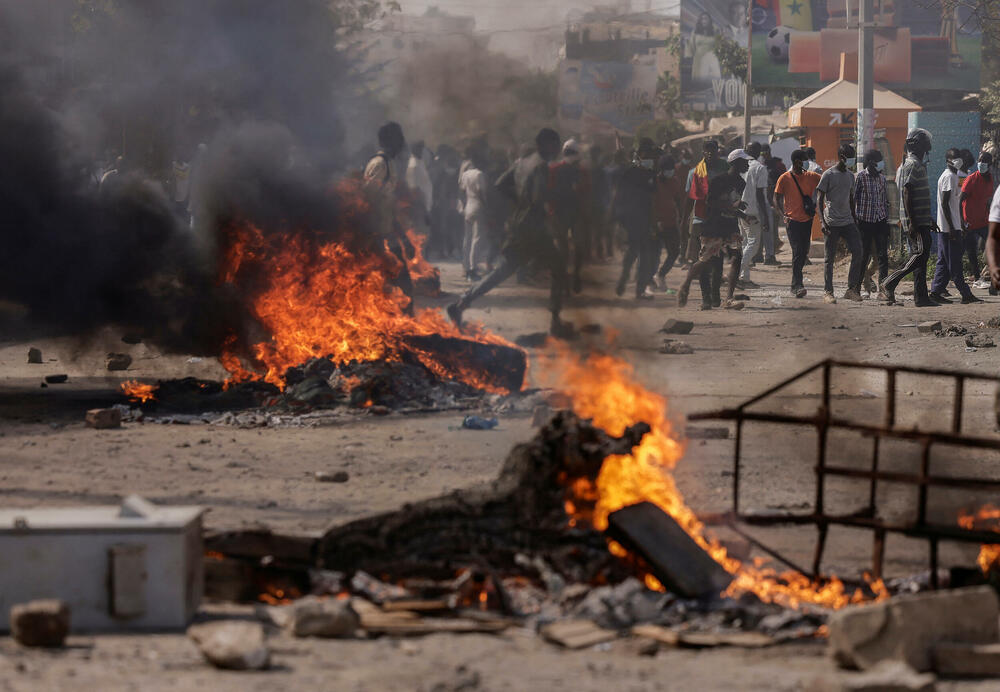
[[135, 567]]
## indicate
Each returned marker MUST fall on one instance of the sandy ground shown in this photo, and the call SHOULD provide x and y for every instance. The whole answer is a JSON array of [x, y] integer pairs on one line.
[[266, 476]]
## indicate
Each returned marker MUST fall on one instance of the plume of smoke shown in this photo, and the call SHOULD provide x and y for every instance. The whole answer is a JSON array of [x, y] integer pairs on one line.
[[255, 80]]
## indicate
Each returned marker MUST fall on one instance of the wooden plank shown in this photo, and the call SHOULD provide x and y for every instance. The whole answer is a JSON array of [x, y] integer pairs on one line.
[[425, 605], [677, 561], [664, 635], [577, 634], [747, 640], [421, 626]]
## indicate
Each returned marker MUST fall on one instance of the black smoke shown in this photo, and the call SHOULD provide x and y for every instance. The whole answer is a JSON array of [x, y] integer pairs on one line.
[[250, 90]]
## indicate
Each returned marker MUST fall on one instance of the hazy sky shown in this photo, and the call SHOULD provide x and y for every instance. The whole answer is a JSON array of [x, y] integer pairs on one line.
[[493, 15]]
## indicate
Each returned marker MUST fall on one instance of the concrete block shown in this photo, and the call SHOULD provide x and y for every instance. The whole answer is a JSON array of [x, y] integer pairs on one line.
[[952, 659], [232, 644], [104, 418], [929, 327], [906, 628], [34, 356]]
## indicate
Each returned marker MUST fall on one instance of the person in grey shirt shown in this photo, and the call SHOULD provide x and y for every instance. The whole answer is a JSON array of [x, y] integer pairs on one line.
[[835, 194]]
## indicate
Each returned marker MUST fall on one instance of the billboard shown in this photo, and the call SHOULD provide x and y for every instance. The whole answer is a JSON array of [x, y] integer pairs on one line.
[[797, 44], [597, 97]]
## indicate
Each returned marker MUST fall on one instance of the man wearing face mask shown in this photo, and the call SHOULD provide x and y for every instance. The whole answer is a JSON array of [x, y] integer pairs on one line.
[[871, 209], [949, 219], [633, 208], [667, 200], [793, 195], [775, 169], [915, 217], [977, 191], [720, 232], [709, 168], [754, 228], [834, 199]]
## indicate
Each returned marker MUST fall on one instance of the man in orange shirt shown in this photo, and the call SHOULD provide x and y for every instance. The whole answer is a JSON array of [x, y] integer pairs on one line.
[[793, 195]]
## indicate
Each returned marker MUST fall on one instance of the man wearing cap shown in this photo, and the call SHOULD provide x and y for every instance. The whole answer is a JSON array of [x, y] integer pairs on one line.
[[756, 225], [529, 235], [915, 217], [835, 199], [720, 232]]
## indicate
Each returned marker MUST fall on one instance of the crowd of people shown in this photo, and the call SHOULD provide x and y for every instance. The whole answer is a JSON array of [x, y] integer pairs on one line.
[[562, 204]]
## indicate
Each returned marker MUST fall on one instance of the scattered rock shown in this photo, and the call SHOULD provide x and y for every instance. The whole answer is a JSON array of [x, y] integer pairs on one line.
[[675, 347], [56, 379], [953, 330], [677, 327], [993, 323], [707, 433], [967, 660], [332, 477], [906, 628], [117, 361], [34, 356], [40, 623], [929, 327], [479, 423], [979, 341], [314, 390], [541, 415], [232, 644], [104, 418], [329, 618], [889, 676]]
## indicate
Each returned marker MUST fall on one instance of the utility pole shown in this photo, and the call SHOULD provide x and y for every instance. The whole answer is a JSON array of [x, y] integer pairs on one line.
[[866, 78], [748, 96]]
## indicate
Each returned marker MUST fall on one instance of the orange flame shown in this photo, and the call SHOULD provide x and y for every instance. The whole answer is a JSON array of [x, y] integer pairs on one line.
[[137, 391], [317, 297], [604, 389], [989, 554], [418, 265]]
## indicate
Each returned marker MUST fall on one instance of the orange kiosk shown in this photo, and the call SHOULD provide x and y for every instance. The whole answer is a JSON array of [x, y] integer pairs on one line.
[[829, 118]]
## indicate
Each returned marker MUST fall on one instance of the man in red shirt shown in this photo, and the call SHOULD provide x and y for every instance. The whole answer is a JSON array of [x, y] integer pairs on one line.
[[977, 192]]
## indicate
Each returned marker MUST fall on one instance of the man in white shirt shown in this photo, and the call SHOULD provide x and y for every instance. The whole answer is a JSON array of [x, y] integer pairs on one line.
[[811, 164], [418, 179], [473, 184], [758, 213], [951, 234]]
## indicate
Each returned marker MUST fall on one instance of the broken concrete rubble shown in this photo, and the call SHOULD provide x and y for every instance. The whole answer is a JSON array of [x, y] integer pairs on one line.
[[671, 347], [42, 623], [104, 418], [906, 628], [232, 644], [313, 617], [118, 361], [953, 659], [929, 327], [979, 341], [677, 327], [34, 356]]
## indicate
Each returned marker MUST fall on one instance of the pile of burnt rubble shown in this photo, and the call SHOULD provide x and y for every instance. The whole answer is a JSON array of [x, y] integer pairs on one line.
[[320, 391]]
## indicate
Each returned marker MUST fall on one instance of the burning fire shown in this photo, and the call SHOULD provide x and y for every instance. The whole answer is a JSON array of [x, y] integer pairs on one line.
[[318, 297], [603, 388], [418, 265], [989, 554], [137, 391]]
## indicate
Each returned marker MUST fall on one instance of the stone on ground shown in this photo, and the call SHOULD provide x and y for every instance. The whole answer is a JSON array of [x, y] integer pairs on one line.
[[677, 327], [34, 356], [906, 628], [40, 623], [929, 327], [979, 341], [104, 418], [232, 644], [312, 617], [117, 361]]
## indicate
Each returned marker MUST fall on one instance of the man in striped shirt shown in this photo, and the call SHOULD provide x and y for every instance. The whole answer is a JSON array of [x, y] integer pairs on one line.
[[871, 208], [915, 217]]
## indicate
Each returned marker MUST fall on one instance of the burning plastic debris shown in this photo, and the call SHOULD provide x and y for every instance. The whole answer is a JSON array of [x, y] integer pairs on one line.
[[317, 297], [986, 516], [139, 391], [602, 387]]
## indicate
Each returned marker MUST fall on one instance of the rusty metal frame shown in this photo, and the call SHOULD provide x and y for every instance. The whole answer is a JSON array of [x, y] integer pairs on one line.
[[866, 518]]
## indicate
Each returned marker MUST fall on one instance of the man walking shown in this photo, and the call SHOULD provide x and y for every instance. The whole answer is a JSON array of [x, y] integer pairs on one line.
[[474, 186], [775, 169], [793, 195], [977, 192], [915, 217], [667, 200], [720, 232], [871, 209], [529, 237], [633, 208], [835, 200], [755, 227], [951, 234]]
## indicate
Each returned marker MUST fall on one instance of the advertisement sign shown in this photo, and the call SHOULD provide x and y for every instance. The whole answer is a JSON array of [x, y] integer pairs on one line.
[[797, 44], [606, 97]]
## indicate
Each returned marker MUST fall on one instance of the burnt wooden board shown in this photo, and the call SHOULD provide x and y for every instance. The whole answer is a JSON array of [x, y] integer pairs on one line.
[[501, 366], [672, 555]]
